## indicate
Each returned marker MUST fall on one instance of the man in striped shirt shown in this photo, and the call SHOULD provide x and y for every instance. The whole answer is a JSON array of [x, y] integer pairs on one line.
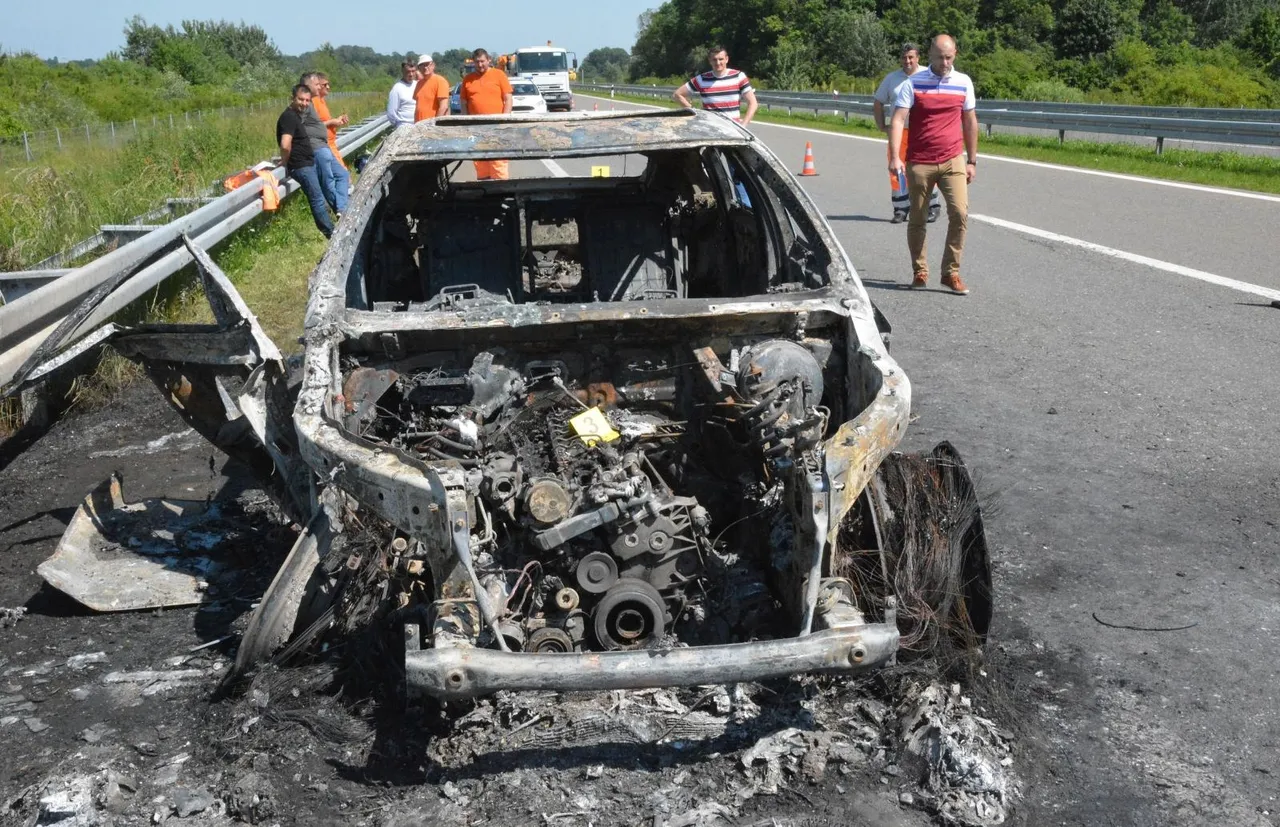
[[943, 151], [722, 89]]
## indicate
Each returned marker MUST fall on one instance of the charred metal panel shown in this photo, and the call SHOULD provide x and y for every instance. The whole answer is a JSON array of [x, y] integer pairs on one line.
[[473, 244], [628, 252]]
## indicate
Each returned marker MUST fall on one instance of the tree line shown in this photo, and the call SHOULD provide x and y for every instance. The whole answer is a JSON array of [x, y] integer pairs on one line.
[[1162, 52], [1158, 52]]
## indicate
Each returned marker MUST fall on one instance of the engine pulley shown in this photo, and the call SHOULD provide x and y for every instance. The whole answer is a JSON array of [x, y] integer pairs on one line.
[[550, 641], [630, 615], [597, 572]]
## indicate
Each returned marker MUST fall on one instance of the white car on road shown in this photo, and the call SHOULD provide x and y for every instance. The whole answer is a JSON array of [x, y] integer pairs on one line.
[[525, 96]]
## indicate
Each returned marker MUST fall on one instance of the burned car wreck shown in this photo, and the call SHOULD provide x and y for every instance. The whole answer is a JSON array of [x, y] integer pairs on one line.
[[632, 428]]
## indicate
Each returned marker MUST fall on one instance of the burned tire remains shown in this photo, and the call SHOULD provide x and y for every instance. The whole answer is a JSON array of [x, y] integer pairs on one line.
[[923, 512]]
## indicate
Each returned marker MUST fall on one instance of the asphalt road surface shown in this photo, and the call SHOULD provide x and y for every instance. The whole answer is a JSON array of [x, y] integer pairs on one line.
[[1110, 380], [1121, 417]]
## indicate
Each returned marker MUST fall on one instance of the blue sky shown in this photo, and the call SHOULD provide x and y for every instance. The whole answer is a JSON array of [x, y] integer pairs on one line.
[[80, 29]]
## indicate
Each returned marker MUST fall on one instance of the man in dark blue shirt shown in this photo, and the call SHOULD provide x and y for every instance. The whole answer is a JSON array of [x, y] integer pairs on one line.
[[299, 158]]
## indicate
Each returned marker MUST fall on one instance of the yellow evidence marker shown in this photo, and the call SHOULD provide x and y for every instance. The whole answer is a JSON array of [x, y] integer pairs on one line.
[[600, 172], [592, 427]]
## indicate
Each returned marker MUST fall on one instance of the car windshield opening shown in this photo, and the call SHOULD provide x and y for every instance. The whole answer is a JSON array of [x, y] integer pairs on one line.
[[630, 227]]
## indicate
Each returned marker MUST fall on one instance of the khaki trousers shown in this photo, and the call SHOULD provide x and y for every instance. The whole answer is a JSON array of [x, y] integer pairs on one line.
[[949, 177]]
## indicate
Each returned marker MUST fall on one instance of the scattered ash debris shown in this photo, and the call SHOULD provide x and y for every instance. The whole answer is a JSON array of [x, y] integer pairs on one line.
[[966, 758], [10, 617], [913, 738]]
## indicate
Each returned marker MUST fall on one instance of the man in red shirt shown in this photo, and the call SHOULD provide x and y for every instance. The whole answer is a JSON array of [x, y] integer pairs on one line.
[[943, 150], [486, 91]]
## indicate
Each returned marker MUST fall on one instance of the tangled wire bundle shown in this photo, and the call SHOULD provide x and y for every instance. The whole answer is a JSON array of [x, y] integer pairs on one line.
[[934, 556]]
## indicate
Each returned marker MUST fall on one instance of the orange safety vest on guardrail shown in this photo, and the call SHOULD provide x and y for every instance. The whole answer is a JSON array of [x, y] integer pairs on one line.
[[270, 195]]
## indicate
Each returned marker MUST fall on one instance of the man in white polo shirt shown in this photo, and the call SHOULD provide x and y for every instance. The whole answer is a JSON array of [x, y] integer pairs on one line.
[[943, 152], [882, 108], [722, 90], [400, 102]]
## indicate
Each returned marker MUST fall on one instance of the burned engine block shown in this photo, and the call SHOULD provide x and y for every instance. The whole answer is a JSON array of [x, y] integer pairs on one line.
[[597, 499]]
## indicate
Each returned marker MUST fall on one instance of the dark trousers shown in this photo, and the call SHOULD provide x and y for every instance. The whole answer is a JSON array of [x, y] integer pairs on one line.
[[308, 179]]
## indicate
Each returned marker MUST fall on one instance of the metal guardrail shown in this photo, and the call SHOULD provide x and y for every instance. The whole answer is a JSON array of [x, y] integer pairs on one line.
[[1253, 127], [26, 321]]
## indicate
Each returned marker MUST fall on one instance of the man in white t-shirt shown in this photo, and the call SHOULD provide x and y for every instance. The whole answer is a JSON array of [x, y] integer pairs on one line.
[[882, 108], [400, 102]]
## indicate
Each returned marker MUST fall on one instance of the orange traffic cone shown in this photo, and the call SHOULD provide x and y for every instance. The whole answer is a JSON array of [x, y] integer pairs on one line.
[[808, 168]]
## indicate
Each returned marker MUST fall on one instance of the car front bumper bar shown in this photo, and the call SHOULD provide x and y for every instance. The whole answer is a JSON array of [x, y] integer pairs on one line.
[[457, 673]]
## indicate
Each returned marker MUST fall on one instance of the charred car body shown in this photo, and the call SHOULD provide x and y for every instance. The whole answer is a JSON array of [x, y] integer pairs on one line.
[[620, 431]]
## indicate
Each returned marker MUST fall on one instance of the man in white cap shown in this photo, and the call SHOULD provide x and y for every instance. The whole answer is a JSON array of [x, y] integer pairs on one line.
[[432, 91], [400, 103]]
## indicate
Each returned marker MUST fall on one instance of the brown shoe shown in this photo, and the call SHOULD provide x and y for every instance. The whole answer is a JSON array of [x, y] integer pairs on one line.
[[920, 281], [955, 284]]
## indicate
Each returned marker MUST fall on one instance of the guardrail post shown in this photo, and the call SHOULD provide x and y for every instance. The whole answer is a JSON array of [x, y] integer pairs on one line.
[[186, 116], [58, 133], [1159, 144], [989, 130], [171, 120], [846, 116], [1062, 136], [26, 146]]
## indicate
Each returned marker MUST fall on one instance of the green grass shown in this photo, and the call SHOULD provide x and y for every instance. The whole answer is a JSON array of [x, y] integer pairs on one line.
[[269, 262], [45, 208], [1220, 169]]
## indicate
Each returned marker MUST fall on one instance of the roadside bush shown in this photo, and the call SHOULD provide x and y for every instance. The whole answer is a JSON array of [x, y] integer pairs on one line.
[[789, 65], [856, 43], [1004, 73], [1087, 27], [1054, 91]]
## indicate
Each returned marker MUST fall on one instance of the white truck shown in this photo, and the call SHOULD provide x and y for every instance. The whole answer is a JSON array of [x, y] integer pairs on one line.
[[550, 68]]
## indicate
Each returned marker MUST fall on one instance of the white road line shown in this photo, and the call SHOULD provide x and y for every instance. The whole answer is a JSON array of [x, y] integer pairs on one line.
[[1189, 272], [1257, 196], [556, 170]]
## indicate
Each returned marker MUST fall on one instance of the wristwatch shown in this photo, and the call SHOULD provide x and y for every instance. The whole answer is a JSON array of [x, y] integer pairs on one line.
[[973, 161]]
